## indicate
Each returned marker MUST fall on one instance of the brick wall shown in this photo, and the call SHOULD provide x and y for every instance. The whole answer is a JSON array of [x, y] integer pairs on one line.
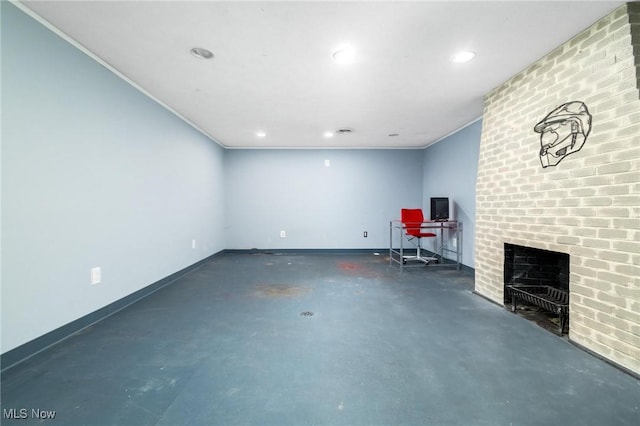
[[588, 205]]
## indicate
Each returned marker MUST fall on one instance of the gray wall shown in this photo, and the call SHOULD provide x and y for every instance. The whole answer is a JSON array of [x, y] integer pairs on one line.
[[318, 207], [93, 174], [450, 170]]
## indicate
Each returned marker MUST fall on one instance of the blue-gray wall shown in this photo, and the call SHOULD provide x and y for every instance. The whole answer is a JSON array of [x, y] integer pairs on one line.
[[450, 170], [94, 173], [319, 207]]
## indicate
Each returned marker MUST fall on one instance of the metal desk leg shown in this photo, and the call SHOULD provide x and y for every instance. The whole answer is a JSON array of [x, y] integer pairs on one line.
[[401, 250], [390, 243], [458, 245]]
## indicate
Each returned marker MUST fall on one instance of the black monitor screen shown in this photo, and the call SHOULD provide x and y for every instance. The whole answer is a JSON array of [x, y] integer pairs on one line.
[[439, 208]]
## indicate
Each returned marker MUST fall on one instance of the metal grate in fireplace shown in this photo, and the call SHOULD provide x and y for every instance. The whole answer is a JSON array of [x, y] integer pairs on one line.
[[537, 285], [550, 299]]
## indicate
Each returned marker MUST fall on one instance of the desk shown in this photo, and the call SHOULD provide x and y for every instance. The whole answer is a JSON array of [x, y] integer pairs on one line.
[[399, 229]]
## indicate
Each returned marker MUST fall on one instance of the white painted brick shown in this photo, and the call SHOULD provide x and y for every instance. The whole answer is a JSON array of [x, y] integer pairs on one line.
[[567, 240], [598, 159], [629, 270], [598, 326], [584, 336], [614, 212], [613, 234], [568, 221], [598, 305], [582, 192], [621, 166], [578, 308], [612, 299], [584, 272], [598, 284], [595, 264], [613, 190], [614, 256], [629, 177], [626, 342], [624, 109], [633, 316], [614, 342], [596, 222], [597, 201], [596, 243], [627, 130], [627, 246], [584, 212], [613, 278], [583, 291], [589, 204], [617, 323], [589, 237], [601, 180]]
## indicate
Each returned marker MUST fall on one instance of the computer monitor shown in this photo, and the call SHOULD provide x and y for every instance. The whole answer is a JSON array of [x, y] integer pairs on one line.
[[439, 208]]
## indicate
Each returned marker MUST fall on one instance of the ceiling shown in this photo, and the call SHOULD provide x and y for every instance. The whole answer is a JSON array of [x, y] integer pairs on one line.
[[273, 69]]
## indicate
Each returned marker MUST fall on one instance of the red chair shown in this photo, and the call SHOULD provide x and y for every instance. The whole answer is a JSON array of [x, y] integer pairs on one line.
[[412, 220]]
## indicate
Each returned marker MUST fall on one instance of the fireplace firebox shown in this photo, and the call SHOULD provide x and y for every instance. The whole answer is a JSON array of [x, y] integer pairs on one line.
[[536, 285]]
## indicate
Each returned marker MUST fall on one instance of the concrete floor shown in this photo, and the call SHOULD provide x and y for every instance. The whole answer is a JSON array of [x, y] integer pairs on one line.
[[227, 344]]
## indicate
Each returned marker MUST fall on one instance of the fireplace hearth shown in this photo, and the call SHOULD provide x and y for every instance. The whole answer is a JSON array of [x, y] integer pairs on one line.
[[536, 286]]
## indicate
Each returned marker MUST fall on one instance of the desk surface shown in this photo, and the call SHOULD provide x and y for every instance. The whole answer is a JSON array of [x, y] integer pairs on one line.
[[427, 222], [431, 221]]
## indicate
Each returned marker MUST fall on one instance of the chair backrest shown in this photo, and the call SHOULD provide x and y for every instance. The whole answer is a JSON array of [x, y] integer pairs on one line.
[[412, 220]]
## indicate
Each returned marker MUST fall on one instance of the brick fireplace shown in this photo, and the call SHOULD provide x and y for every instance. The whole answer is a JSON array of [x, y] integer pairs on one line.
[[529, 266], [537, 282], [559, 171]]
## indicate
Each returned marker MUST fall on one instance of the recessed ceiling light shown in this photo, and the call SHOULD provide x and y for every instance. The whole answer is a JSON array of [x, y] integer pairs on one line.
[[344, 130], [328, 134], [261, 134], [463, 57], [201, 53], [345, 54], [394, 134]]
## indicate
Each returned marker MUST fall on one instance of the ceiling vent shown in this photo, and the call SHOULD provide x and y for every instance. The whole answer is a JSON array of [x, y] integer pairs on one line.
[[201, 53], [345, 130]]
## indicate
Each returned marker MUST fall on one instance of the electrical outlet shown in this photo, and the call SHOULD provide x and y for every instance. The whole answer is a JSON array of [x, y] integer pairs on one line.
[[366, 234], [96, 275], [283, 234]]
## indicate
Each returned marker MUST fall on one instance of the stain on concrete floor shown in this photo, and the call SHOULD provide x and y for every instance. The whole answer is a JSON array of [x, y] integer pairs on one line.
[[281, 290]]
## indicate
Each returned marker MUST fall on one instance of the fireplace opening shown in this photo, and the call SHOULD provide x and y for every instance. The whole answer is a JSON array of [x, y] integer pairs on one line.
[[536, 286]]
